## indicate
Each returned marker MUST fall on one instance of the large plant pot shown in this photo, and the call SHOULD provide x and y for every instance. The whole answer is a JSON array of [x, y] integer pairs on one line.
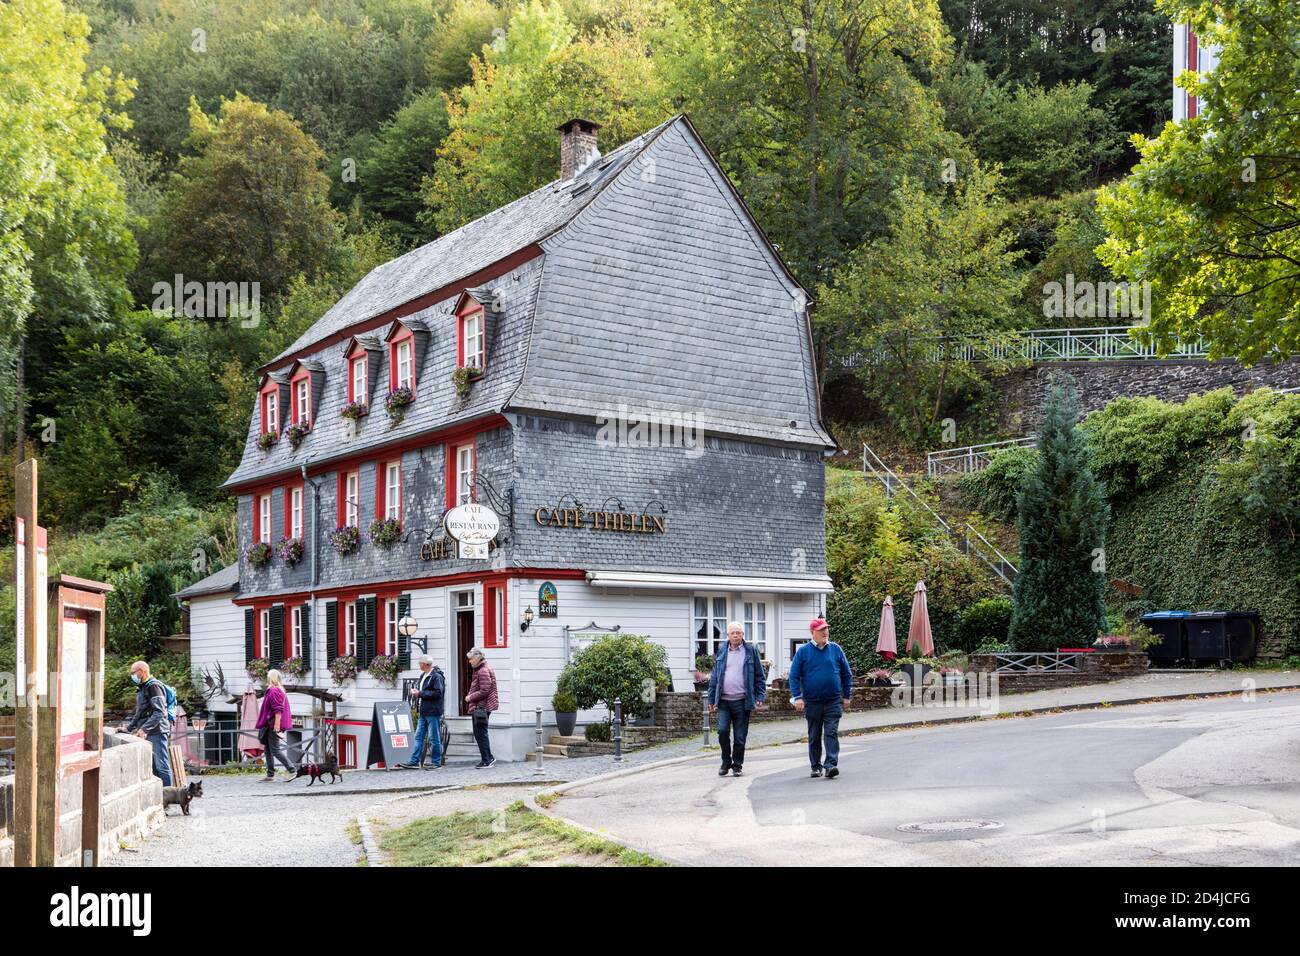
[[916, 673], [566, 722]]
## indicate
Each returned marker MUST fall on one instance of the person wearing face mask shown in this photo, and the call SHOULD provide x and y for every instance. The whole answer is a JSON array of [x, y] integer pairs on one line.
[[150, 720]]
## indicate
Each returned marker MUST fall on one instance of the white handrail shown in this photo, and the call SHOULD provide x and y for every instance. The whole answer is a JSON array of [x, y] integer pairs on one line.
[[1046, 345]]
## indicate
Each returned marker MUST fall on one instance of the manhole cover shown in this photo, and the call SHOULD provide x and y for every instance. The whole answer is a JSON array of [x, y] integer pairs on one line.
[[949, 826]]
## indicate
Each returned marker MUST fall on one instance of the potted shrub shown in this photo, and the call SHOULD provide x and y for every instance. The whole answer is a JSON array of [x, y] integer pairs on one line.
[[258, 554], [385, 533], [397, 402], [616, 667], [916, 668], [297, 433], [343, 668], [703, 670], [290, 551], [345, 538], [598, 733], [566, 712]]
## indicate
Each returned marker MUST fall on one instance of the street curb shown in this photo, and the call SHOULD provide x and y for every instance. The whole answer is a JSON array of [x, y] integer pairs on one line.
[[906, 725], [531, 803]]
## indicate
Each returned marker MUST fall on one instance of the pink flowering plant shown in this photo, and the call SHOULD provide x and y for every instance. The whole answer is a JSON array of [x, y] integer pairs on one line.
[[297, 433], [346, 538], [385, 533], [397, 402], [343, 668], [296, 667], [355, 410], [290, 550], [258, 554], [257, 669], [383, 668], [267, 439]]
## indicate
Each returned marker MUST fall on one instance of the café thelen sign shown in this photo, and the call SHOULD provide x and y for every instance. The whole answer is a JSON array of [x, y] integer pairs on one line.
[[474, 526]]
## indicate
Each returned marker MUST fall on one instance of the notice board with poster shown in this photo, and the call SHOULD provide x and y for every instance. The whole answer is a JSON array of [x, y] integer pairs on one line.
[[391, 734]]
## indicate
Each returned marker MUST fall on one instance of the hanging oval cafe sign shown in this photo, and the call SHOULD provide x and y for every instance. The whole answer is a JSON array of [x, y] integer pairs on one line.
[[472, 523]]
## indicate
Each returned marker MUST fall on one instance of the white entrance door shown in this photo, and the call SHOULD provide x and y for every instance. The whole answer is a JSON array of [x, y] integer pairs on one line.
[[758, 614]]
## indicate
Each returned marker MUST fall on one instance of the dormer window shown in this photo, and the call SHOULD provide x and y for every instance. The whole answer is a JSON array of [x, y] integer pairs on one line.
[[401, 359], [472, 340], [271, 412], [302, 401], [357, 380], [405, 372]]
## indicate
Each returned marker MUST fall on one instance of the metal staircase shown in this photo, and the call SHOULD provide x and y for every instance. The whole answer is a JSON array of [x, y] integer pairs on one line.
[[967, 538], [968, 458]]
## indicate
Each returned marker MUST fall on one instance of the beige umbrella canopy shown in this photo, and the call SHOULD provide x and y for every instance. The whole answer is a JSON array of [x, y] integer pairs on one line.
[[918, 628], [887, 643]]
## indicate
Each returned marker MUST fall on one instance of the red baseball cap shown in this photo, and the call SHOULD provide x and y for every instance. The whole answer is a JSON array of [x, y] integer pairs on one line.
[[817, 623]]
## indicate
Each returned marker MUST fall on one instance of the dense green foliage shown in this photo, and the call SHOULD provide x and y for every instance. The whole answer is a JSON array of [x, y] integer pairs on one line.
[[1062, 513], [1209, 216], [995, 489], [985, 622], [625, 667]]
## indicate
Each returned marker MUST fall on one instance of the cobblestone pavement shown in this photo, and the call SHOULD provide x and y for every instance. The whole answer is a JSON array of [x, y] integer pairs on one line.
[[243, 822]]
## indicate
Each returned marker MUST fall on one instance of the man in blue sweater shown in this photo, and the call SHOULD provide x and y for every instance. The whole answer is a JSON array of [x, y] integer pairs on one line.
[[821, 687]]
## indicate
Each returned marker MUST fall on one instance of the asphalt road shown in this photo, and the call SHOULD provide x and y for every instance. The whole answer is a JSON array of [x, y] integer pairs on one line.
[[1186, 782]]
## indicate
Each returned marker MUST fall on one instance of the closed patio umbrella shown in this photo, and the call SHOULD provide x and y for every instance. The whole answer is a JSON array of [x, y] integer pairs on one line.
[[918, 629], [248, 743], [887, 645]]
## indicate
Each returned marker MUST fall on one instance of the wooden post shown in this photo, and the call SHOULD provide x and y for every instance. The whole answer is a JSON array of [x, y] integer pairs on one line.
[[25, 733]]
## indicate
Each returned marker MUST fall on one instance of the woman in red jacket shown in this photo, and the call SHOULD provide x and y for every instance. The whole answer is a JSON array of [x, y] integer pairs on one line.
[[482, 700]]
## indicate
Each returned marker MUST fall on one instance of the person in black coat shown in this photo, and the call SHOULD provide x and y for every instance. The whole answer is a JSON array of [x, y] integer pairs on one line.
[[427, 694]]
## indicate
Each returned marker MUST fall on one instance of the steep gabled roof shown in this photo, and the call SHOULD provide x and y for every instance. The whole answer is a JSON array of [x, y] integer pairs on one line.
[[472, 247]]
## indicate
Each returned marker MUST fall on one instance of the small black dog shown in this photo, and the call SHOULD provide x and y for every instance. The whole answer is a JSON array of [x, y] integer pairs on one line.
[[182, 796], [317, 771]]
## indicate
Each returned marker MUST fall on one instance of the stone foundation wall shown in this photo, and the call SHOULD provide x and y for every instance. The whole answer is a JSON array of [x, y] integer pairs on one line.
[[130, 801], [1094, 668], [1022, 391]]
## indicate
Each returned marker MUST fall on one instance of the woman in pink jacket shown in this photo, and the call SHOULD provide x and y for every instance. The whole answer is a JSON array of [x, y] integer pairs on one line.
[[272, 721]]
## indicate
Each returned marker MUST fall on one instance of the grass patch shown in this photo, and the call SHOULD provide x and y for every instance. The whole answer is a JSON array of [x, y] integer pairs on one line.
[[513, 836], [353, 832]]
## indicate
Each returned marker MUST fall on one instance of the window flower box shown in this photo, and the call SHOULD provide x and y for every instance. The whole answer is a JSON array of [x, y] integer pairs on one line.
[[355, 411], [463, 379], [257, 669], [345, 539], [290, 550], [267, 439], [343, 668], [258, 555], [297, 434], [397, 402], [383, 669], [385, 533], [296, 667]]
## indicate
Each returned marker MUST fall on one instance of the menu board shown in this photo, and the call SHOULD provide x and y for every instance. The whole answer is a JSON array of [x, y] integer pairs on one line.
[[391, 738]]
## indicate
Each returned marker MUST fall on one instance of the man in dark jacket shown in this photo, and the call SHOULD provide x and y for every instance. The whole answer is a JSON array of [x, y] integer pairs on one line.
[[736, 686], [150, 720], [482, 700], [821, 687], [428, 692]]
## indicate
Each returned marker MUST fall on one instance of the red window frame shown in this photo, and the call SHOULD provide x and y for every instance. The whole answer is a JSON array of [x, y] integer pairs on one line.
[[343, 497], [300, 415], [270, 388], [453, 470], [460, 334], [381, 488], [357, 354], [257, 519], [261, 637], [491, 587], [288, 509], [406, 335]]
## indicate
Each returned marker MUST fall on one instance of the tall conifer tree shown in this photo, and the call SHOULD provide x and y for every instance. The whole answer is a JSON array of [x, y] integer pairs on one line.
[[1059, 600]]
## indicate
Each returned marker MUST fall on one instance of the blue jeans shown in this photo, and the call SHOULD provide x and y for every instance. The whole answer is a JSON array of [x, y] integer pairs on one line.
[[162, 763], [823, 720], [733, 717], [427, 727]]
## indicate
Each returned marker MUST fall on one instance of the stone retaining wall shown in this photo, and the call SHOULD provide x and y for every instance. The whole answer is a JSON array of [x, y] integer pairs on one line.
[[130, 801]]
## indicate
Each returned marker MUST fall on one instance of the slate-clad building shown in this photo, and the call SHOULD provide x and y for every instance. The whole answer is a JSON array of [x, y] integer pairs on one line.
[[617, 364]]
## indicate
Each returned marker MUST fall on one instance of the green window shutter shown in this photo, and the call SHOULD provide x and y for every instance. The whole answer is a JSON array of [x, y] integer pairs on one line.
[[331, 631], [250, 635], [306, 634], [366, 624], [276, 654], [403, 642]]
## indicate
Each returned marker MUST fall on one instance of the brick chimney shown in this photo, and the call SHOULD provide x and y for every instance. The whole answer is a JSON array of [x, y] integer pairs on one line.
[[577, 144]]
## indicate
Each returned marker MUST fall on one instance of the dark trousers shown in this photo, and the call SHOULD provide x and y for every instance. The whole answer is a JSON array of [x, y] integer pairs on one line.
[[273, 752], [733, 728], [481, 716], [823, 721]]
